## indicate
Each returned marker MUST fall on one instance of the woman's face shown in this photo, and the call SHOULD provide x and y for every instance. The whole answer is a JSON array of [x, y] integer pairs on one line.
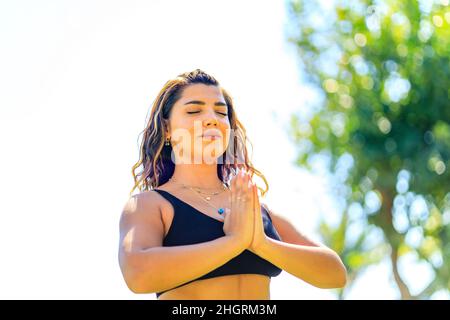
[[200, 111]]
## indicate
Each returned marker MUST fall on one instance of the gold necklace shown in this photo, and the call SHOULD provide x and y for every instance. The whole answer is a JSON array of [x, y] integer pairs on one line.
[[197, 189], [219, 210]]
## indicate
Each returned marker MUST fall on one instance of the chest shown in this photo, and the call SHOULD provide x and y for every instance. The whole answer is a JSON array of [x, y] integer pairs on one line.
[[193, 209]]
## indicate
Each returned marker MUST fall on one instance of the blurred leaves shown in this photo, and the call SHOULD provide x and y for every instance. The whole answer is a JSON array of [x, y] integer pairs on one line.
[[382, 69]]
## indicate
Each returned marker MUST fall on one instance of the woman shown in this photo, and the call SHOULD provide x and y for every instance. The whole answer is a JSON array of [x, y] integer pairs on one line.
[[197, 229]]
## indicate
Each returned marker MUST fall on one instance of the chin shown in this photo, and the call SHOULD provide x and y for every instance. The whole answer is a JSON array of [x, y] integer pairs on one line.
[[209, 158]]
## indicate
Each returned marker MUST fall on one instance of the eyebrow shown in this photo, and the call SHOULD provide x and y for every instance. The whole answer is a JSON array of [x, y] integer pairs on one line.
[[218, 103]]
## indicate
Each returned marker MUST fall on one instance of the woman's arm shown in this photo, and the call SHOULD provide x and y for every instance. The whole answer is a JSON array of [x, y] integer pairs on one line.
[[319, 266], [148, 267], [302, 257], [162, 268]]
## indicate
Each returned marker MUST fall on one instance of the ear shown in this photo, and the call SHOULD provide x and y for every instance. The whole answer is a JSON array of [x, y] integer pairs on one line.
[[166, 126]]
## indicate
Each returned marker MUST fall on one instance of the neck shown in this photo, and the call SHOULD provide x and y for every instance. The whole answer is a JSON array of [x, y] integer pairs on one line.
[[202, 176]]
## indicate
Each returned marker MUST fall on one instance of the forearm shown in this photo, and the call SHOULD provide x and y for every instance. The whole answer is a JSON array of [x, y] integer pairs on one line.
[[318, 266], [161, 268]]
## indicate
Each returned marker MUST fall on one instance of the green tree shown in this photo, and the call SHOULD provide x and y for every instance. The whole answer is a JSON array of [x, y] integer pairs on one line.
[[382, 69]]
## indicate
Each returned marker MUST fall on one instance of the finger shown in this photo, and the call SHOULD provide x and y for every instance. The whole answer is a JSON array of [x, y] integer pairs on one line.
[[243, 184], [240, 192], [249, 193], [242, 177], [256, 197], [234, 189], [237, 195], [250, 177], [233, 185], [239, 179], [236, 174], [253, 196]]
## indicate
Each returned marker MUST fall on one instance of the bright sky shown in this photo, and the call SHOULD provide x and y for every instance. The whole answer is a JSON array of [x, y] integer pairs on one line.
[[77, 81]]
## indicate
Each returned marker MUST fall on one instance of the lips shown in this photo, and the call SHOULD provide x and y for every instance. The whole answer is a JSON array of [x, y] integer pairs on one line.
[[211, 136], [212, 133]]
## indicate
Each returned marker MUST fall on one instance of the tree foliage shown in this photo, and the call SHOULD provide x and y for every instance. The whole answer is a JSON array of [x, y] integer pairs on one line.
[[383, 71]]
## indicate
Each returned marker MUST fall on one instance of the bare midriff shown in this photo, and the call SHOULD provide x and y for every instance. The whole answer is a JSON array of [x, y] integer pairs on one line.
[[230, 287]]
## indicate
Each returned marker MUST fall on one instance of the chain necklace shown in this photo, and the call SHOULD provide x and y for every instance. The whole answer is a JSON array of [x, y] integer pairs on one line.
[[198, 190], [207, 199]]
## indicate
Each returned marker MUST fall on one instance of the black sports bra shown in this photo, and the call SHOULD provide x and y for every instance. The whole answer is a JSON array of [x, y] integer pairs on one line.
[[191, 226]]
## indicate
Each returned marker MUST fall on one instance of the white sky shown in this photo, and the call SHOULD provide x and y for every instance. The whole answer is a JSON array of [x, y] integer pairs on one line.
[[77, 80]]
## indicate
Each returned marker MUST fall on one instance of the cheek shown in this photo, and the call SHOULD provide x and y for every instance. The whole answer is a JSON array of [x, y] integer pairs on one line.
[[225, 124], [186, 126], [227, 128]]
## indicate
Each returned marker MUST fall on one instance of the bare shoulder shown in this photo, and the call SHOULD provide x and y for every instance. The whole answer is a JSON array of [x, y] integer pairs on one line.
[[142, 205], [141, 224]]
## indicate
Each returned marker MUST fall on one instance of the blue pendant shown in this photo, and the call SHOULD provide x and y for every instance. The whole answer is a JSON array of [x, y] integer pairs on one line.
[[220, 211]]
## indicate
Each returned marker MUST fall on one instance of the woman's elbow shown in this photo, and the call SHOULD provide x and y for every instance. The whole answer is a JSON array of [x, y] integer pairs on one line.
[[334, 283], [139, 289], [134, 277], [337, 279], [341, 279], [335, 276], [138, 285]]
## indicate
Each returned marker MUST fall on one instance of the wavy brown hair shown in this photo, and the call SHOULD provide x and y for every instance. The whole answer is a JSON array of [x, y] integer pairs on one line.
[[155, 159]]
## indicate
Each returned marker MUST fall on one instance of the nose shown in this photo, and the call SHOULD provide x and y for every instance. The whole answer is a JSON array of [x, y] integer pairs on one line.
[[210, 122], [211, 119]]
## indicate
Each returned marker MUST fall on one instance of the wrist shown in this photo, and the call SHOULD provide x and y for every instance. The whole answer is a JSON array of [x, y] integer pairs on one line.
[[237, 243], [259, 245]]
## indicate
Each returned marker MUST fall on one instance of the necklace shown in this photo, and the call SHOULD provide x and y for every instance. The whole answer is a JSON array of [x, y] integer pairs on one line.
[[207, 199], [198, 190], [209, 194]]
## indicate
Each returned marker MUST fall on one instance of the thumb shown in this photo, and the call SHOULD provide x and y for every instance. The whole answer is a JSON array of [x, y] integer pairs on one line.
[[226, 212]]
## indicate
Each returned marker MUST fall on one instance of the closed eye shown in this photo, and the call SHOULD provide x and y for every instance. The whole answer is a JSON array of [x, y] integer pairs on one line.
[[192, 112]]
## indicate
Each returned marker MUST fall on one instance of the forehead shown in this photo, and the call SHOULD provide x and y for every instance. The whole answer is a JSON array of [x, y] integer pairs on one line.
[[201, 92]]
